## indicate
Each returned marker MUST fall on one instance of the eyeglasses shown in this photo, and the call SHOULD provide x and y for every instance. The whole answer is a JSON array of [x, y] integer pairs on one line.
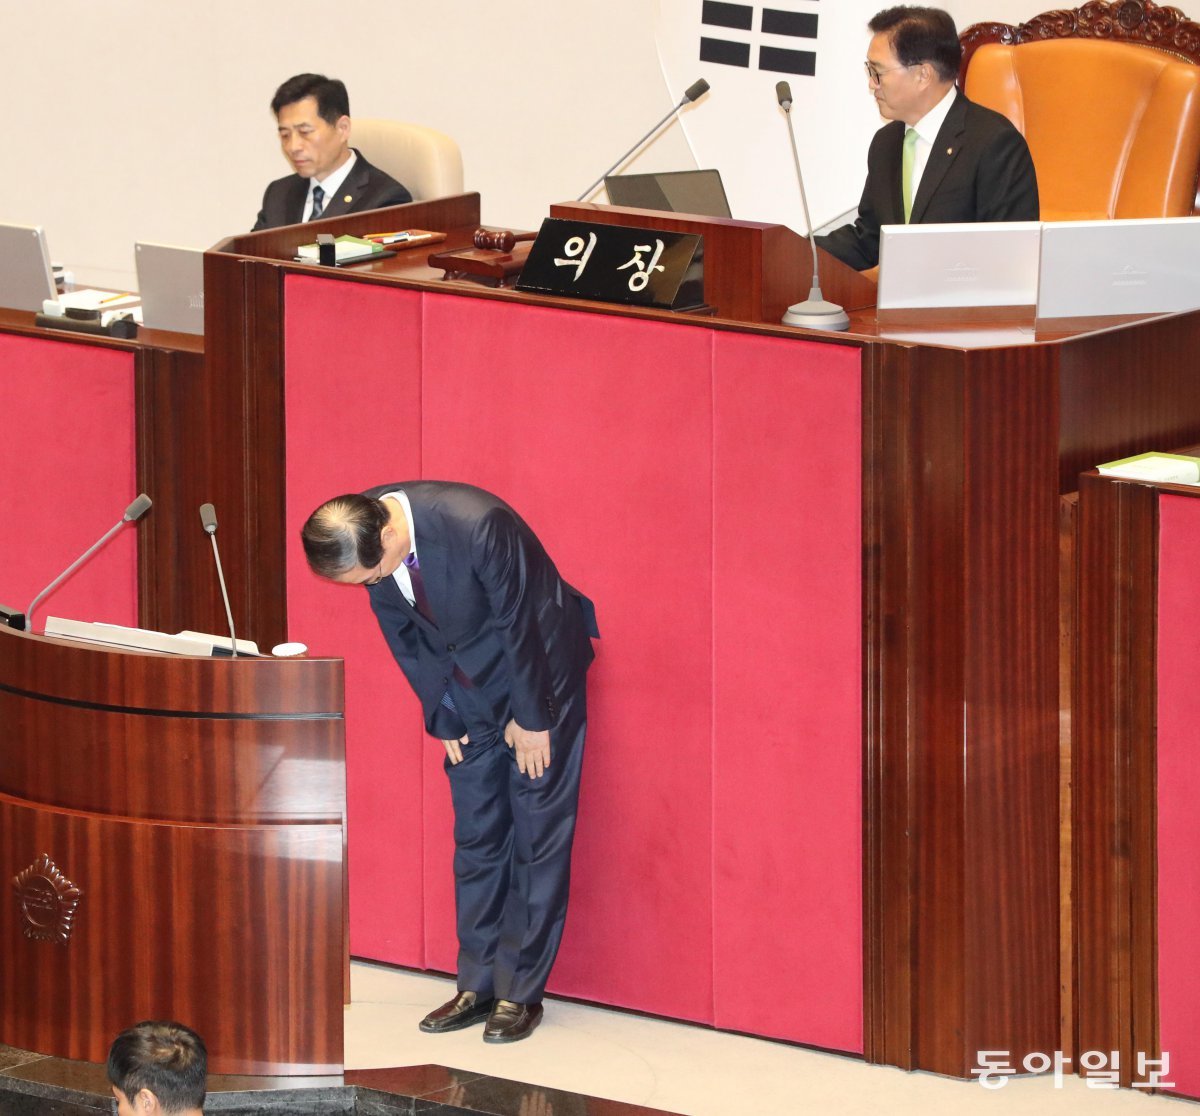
[[378, 575], [875, 74]]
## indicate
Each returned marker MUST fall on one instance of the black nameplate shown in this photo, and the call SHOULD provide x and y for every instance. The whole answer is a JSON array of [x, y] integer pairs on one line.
[[615, 263]]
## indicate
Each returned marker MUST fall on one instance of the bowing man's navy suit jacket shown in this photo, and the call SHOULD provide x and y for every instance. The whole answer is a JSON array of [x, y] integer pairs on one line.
[[979, 169], [366, 186], [505, 618]]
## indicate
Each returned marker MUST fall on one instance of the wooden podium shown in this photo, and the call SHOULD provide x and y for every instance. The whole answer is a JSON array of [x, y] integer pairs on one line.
[[753, 270], [173, 843], [930, 859]]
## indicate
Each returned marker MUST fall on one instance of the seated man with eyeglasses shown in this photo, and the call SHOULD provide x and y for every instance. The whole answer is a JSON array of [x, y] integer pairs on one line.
[[942, 158]]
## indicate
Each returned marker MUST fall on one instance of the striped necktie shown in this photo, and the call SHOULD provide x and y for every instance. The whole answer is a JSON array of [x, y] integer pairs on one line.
[[318, 203]]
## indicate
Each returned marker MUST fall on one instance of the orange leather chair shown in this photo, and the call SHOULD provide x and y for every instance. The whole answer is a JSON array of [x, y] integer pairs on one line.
[[1113, 127]]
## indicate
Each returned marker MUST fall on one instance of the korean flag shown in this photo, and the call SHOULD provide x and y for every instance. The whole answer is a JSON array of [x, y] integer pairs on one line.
[[743, 50]]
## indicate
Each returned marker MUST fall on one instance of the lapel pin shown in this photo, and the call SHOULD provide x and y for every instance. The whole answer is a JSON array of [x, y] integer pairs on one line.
[[347, 199], [949, 150]]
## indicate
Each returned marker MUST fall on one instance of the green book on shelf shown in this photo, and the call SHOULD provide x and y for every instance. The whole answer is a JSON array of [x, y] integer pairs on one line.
[[345, 248], [1167, 468]]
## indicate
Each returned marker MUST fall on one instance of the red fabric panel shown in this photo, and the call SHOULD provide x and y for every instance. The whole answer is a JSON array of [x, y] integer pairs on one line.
[[598, 430], [1179, 789], [68, 463], [787, 739], [353, 390]]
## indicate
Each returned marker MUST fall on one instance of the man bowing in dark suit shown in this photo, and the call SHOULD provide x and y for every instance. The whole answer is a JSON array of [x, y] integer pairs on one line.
[[943, 158], [496, 646], [332, 178]]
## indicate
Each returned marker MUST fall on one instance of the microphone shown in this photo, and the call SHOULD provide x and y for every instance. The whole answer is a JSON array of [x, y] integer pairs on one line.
[[136, 510], [208, 519], [692, 93], [814, 312]]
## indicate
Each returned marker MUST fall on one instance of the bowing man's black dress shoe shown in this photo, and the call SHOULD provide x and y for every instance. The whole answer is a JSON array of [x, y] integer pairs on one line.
[[466, 1008], [510, 1022]]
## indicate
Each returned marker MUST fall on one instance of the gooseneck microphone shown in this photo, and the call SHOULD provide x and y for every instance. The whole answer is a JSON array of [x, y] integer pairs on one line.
[[208, 518], [814, 312], [692, 93], [136, 510]]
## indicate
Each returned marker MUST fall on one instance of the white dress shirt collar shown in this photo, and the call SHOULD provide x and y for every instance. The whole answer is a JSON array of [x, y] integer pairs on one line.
[[331, 185], [927, 129]]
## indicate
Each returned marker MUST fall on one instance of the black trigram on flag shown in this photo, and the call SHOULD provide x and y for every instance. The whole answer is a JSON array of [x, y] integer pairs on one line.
[[773, 21]]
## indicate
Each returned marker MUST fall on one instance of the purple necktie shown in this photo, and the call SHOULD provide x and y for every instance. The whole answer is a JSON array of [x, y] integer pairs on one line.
[[421, 600], [418, 587]]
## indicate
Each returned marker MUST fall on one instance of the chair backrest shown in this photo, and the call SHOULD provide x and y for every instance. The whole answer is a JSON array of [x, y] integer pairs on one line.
[[427, 162], [1113, 126]]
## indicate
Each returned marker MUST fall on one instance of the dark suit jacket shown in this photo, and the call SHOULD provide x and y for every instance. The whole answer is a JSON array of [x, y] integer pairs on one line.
[[978, 170], [504, 616], [366, 186]]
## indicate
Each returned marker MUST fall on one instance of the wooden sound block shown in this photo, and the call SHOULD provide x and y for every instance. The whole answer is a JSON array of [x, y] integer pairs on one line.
[[482, 263]]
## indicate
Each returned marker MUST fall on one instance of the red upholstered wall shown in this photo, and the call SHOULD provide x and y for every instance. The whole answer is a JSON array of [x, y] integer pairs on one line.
[[704, 490], [787, 712], [599, 430], [353, 396], [1179, 789], [68, 463]]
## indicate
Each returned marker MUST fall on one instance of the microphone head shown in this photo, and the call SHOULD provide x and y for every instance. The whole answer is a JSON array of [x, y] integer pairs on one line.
[[783, 94], [137, 509], [208, 517], [696, 90]]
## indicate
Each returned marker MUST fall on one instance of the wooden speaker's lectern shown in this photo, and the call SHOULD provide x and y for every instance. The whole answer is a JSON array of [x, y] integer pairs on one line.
[[172, 842]]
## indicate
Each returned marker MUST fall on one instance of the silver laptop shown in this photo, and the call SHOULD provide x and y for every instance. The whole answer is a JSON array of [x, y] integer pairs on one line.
[[694, 191], [926, 266], [171, 284], [1091, 268], [26, 280]]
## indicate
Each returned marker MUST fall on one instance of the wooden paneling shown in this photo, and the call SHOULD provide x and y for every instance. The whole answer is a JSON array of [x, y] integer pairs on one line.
[[233, 930], [176, 578], [1126, 391], [888, 874], [1113, 765]]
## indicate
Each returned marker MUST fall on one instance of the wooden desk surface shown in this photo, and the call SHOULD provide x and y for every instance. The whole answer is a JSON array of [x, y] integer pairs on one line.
[[22, 321], [970, 328]]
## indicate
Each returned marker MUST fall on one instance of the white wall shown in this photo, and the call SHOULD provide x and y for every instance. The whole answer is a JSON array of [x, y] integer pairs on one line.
[[149, 119]]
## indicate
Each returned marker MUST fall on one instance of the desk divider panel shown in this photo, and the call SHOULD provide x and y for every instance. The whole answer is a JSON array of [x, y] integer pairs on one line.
[[1178, 789], [67, 455]]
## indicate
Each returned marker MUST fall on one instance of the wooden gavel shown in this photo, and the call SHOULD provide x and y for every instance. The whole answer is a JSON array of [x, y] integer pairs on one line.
[[501, 241]]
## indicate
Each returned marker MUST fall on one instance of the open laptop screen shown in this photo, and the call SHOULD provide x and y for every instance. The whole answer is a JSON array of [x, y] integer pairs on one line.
[[171, 284], [26, 280], [695, 191]]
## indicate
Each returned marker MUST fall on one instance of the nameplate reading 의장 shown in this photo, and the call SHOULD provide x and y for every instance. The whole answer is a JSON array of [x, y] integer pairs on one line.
[[615, 263]]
